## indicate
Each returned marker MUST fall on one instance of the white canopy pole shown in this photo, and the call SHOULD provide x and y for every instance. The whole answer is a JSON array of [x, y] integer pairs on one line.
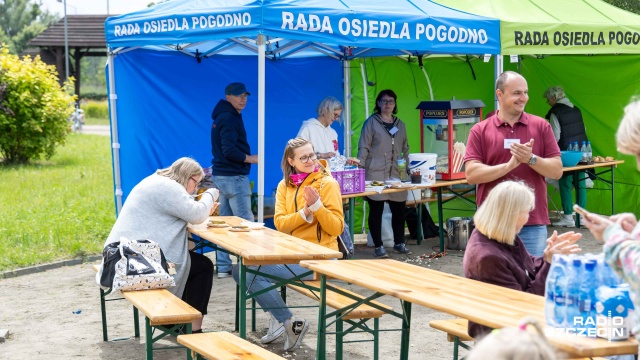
[[347, 107], [261, 129], [115, 145], [364, 90], [498, 67]]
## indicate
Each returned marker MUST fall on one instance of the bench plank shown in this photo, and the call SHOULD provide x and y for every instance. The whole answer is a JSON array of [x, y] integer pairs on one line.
[[162, 307], [453, 327], [338, 301], [224, 346]]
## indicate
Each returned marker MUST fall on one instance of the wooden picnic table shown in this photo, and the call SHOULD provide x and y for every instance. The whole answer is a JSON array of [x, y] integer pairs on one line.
[[579, 169], [439, 185], [483, 303], [256, 248], [464, 194]]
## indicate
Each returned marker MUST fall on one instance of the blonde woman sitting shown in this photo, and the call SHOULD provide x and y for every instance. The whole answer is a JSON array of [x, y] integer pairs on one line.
[[496, 255]]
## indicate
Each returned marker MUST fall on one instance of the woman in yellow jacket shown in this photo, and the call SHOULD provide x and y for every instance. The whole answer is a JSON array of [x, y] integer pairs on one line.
[[308, 206]]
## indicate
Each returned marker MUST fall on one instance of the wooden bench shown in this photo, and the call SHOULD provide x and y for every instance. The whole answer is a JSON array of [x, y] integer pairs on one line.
[[339, 301], [224, 346], [456, 330], [160, 307]]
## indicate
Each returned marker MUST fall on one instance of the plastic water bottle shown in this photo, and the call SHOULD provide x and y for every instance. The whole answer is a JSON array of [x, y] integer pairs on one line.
[[583, 149], [587, 295], [573, 292], [608, 277], [575, 146], [589, 152], [554, 306], [402, 167]]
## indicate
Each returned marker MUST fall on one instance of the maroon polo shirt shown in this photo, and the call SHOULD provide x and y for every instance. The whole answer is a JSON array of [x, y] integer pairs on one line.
[[486, 144]]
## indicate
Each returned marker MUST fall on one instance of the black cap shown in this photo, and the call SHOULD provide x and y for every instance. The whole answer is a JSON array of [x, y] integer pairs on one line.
[[236, 88]]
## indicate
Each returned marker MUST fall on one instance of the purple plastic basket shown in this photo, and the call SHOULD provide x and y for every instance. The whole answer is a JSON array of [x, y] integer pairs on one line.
[[350, 181]]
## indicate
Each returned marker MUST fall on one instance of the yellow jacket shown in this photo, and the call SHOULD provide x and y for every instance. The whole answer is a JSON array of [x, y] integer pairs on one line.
[[328, 220]]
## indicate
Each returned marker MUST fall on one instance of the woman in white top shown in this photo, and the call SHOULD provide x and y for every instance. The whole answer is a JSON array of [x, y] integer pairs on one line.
[[320, 132]]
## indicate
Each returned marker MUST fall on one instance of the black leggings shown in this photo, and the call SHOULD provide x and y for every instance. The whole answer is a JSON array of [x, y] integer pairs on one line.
[[376, 209], [199, 282]]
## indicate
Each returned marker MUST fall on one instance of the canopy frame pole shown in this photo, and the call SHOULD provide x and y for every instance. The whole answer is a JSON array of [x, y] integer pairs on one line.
[[261, 119], [498, 68], [347, 108], [115, 144]]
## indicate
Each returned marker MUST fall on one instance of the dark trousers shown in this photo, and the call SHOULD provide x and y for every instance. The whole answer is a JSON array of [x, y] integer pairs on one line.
[[199, 282], [376, 209]]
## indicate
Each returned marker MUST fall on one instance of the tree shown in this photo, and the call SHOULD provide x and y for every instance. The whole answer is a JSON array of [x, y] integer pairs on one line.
[[34, 111], [629, 5], [21, 21]]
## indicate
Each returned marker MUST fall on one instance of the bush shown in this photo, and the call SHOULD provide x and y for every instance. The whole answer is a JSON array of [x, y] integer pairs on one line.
[[95, 109], [33, 120]]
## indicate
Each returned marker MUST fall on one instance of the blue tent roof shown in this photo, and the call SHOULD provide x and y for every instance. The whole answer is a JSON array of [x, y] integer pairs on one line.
[[391, 26]]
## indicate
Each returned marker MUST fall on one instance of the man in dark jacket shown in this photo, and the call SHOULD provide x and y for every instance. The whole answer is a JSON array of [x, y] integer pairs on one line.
[[568, 127], [232, 161]]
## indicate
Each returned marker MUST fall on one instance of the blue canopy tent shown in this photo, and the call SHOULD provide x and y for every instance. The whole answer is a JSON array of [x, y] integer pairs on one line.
[[168, 65]]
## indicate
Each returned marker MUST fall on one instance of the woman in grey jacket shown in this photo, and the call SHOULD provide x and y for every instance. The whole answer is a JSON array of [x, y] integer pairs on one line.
[[382, 140], [159, 209]]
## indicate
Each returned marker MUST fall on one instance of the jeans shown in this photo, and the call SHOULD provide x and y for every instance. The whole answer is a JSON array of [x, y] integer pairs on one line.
[[271, 301], [534, 238], [566, 195], [235, 200]]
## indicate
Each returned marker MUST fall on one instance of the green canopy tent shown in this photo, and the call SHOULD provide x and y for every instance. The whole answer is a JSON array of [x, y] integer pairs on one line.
[[600, 78]]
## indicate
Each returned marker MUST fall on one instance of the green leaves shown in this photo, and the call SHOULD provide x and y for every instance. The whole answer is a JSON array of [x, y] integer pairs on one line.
[[37, 109]]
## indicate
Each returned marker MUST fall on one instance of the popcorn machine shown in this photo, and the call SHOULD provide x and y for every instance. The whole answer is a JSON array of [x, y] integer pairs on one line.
[[444, 130]]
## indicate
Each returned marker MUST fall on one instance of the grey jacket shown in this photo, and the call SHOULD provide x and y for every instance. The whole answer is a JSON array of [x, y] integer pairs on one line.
[[159, 209], [378, 152]]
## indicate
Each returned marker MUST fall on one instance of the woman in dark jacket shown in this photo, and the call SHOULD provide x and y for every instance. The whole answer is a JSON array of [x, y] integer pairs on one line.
[[496, 255], [382, 140]]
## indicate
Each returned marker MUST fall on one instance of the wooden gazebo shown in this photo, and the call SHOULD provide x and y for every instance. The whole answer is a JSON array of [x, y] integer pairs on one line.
[[85, 35]]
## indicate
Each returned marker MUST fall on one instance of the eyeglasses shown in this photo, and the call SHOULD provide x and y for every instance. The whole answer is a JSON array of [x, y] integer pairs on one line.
[[388, 102], [195, 181], [306, 158]]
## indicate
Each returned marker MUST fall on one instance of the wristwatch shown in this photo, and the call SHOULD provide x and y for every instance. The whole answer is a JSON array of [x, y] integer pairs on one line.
[[533, 159]]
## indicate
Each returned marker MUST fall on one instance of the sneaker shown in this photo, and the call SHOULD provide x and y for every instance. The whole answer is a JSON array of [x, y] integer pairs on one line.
[[294, 333], [224, 274], [582, 222], [401, 249], [564, 222], [276, 329], [380, 253]]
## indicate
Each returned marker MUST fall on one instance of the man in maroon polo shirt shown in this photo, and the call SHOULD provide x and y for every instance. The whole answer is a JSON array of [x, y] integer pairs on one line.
[[514, 145]]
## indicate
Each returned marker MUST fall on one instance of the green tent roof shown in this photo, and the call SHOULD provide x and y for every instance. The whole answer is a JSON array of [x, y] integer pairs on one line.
[[558, 26]]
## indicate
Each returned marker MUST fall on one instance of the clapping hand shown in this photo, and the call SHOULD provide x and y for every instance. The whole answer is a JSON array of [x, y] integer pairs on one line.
[[522, 152], [562, 244], [310, 195]]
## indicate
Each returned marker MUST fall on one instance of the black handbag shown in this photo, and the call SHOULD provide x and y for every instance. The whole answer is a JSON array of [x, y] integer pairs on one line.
[[111, 255]]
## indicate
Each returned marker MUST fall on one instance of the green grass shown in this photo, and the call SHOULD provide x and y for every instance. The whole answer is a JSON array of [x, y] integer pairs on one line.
[[57, 209], [95, 121]]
